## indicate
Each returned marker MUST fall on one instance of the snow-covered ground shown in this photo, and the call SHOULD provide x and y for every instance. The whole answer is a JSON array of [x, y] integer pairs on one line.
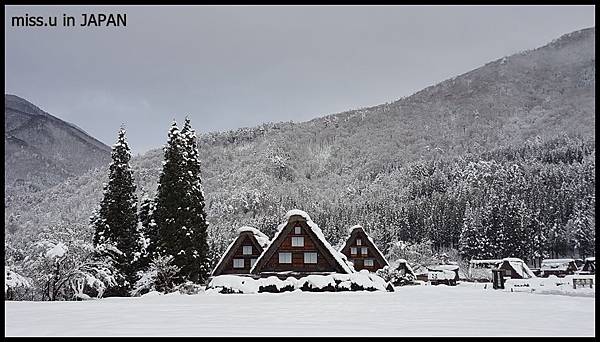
[[424, 310]]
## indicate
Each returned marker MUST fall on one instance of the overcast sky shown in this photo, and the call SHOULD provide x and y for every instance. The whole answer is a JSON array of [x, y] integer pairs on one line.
[[237, 66]]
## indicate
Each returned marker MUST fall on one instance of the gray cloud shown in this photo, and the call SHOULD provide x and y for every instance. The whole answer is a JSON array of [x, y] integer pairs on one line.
[[234, 66]]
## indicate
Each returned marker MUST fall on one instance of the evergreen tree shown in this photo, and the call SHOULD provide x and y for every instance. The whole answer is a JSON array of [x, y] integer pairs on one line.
[[179, 214], [148, 230], [583, 227], [115, 222], [197, 267]]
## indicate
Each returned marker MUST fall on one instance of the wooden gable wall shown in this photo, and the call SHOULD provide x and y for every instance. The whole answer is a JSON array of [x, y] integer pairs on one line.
[[269, 262], [226, 266], [358, 258]]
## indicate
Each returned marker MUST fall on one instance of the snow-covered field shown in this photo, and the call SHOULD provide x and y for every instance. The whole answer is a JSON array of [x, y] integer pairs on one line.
[[425, 310]]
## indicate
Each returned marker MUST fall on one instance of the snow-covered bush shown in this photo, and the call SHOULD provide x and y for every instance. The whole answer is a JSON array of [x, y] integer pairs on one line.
[[275, 285], [62, 270], [336, 282], [14, 282], [395, 276], [160, 277], [189, 288]]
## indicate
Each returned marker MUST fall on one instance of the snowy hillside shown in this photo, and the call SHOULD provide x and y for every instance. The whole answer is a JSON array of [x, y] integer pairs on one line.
[[404, 170], [41, 150]]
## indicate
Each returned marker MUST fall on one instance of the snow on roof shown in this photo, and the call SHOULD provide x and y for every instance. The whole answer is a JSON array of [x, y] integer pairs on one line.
[[351, 229], [557, 261], [486, 261], [520, 267], [338, 257], [356, 226], [556, 264], [262, 239], [592, 259], [442, 267]]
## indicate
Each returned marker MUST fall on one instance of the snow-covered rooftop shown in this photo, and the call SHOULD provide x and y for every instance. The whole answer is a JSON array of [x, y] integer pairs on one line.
[[262, 239], [592, 259], [556, 264], [356, 226], [520, 267], [557, 261], [338, 257], [485, 261], [442, 267]]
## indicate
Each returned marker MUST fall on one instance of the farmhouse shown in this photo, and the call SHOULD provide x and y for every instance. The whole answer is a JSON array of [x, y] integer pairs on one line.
[[299, 248], [481, 270], [558, 267], [442, 274], [360, 249], [515, 268], [242, 253], [589, 267]]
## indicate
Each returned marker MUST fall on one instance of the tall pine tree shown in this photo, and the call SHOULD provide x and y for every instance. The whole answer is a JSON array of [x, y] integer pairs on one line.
[[148, 231], [115, 222], [179, 214]]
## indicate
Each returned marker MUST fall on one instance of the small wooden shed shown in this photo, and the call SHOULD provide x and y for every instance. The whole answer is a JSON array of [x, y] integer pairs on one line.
[[242, 253], [361, 250], [515, 268]]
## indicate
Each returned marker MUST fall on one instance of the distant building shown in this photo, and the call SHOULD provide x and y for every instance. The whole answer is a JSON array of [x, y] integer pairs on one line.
[[299, 248], [558, 267], [242, 253], [589, 267], [515, 268], [360, 249], [442, 274], [481, 270]]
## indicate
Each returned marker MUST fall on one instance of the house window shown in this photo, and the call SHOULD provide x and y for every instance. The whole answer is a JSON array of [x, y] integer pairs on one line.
[[247, 250], [252, 262], [353, 250], [310, 258], [297, 230], [297, 241], [285, 258], [363, 250], [358, 242], [368, 262], [238, 263]]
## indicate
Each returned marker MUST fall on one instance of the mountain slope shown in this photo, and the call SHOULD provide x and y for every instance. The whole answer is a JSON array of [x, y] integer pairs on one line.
[[252, 176], [41, 150]]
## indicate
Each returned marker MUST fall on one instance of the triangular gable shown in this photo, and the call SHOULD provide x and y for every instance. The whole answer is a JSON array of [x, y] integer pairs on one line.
[[356, 231], [245, 234], [334, 259]]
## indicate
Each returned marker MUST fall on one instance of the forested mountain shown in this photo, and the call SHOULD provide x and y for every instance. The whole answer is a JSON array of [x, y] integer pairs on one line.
[[508, 145], [41, 150]]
